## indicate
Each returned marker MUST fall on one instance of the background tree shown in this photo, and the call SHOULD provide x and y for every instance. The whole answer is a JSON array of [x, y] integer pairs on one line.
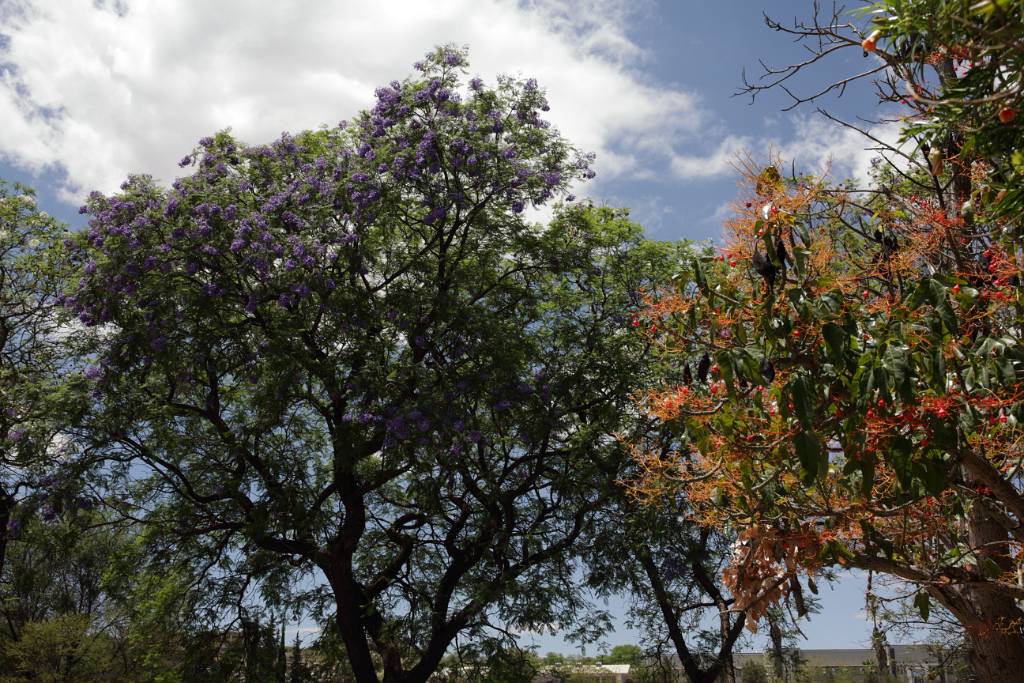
[[669, 566], [670, 569], [624, 654], [347, 354], [754, 672], [87, 599], [33, 335], [298, 668]]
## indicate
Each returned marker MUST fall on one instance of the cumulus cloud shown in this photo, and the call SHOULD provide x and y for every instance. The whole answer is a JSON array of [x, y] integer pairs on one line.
[[819, 145], [96, 90], [720, 162], [813, 144]]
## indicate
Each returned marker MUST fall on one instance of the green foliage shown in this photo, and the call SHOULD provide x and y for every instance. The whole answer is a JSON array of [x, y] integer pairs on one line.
[[298, 667], [62, 650], [975, 84], [754, 672], [881, 430], [624, 654], [346, 355], [38, 386]]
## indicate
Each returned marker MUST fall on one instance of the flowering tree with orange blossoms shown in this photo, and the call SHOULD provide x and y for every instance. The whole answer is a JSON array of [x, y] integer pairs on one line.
[[851, 387], [851, 377]]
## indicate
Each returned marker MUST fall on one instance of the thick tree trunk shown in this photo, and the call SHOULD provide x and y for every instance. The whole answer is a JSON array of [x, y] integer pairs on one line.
[[350, 625], [993, 623], [995, 645]]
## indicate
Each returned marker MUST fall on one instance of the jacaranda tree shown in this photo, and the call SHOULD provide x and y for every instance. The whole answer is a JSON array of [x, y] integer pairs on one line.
[[348, 352]]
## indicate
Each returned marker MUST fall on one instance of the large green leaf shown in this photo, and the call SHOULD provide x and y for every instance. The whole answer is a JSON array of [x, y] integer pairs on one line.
[[813, 457]]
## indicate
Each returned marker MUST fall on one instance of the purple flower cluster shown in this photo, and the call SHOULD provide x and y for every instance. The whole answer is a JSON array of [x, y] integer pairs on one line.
[[281, 229]]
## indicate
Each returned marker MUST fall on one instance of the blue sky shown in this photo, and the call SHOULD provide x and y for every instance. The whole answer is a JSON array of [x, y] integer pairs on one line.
[[91, 90]]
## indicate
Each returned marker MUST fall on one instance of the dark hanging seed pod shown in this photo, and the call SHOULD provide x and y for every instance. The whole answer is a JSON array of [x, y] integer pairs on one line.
[[764, 268], [702, 368], [780, 250]]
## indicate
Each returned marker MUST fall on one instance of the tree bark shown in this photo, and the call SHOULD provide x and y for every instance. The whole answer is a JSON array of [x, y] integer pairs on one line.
[[351, 627], [993, 623], [778, 656], [721, 669], [995, 644]]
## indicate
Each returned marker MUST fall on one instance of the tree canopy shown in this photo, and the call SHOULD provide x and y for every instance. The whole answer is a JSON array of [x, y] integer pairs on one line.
[[851, 361], [348, 353]]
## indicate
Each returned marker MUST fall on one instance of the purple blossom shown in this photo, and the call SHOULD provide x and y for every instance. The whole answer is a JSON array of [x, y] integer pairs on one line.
[[397, 426], [436, 214]]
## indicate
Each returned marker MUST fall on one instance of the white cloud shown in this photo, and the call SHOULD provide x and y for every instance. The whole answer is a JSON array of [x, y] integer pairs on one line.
[[99, 90], [719, 163], [820, 145], [814, 144]]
